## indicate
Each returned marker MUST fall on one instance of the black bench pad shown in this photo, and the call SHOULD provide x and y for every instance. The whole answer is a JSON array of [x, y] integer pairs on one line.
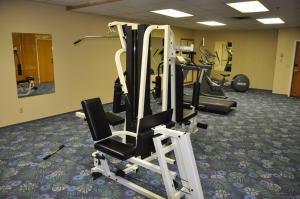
[[170, 124], [26, 80], [114, 119], [115, 148]]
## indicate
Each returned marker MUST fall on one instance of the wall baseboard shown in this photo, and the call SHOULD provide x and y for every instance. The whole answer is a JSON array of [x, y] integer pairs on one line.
[[44, 118], [260, 89]]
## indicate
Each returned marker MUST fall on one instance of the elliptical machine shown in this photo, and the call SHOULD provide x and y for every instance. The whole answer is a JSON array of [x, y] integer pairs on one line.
[[209, 87]]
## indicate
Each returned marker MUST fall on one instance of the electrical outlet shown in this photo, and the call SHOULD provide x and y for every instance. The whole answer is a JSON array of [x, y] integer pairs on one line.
[[21, 110]]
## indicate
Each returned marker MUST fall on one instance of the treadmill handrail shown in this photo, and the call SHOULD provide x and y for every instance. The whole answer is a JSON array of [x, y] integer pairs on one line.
[[193, 66]]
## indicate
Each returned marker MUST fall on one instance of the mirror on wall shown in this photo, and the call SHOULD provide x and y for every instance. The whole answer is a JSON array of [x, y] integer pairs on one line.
[[224, 51], [156, 59], [33, 64], [157, 48]]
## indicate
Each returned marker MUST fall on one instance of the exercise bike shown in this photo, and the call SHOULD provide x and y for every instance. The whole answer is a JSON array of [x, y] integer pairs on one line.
[[26, 86]]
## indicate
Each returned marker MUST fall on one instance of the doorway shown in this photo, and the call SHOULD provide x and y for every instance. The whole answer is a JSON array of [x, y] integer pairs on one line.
[[295, 88], [45, 60]]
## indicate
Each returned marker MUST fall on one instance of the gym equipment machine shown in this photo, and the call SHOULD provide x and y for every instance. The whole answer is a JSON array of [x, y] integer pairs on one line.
[[126, 87], [151, 130], [185, 113], [209, 87], [206, 103], [185, 103], [239, 83], [149, 146], [24, 86]]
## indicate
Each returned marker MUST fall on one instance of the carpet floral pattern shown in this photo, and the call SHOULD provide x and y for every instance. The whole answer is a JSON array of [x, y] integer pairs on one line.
[[252, 153]]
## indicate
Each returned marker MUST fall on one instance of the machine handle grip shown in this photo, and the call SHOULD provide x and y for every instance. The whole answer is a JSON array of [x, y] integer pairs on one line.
[[77, 41]]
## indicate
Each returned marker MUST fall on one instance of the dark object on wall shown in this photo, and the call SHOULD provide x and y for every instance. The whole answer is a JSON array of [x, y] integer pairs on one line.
[[19, 66]]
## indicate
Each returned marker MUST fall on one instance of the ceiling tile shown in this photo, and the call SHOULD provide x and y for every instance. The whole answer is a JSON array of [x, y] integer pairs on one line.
[[138, 10]]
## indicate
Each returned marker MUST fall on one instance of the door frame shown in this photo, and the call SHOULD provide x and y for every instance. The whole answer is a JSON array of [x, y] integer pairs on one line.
[[292, 67]]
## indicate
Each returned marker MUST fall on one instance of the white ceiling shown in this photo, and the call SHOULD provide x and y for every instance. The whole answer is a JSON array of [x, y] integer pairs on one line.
[[138, 10]]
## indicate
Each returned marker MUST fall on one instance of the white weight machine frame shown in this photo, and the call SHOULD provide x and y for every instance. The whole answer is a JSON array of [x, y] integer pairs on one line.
[[169, 59], [185, 160], [180, 142], [25, 88]]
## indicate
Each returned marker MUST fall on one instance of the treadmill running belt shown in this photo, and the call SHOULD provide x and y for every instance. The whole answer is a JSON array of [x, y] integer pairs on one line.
[[215, 105]]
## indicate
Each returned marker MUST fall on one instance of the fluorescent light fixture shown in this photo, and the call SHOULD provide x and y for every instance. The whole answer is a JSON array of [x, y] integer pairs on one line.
[[271, 21], [211, 23], [248, 6], [172, 13]]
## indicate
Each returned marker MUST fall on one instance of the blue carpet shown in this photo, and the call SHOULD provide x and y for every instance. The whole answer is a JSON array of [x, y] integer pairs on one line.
[[254, 152], [42, 88]]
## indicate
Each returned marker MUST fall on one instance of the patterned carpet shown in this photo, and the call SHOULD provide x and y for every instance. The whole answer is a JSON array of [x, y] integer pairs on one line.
[[41, 89], [254, 152]]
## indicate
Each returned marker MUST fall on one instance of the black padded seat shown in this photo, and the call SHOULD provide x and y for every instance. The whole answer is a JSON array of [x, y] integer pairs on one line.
[[101, 133], [115, 148], [29, 78], [99, 127], [26, 80], [22, 81], [114, 119]]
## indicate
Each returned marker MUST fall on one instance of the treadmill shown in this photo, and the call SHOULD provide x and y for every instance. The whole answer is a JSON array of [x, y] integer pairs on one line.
[[206, 103], [211, 104]]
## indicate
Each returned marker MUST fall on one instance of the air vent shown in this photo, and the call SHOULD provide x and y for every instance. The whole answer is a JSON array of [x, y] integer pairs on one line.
[[241, 18]]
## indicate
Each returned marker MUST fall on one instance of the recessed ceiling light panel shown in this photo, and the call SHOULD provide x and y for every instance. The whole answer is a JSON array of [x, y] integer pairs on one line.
[[211, 23], [172, 13], [248, 6], [271, 21]]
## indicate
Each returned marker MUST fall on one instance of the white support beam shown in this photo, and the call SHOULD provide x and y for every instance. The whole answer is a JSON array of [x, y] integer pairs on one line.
[[167, 39]]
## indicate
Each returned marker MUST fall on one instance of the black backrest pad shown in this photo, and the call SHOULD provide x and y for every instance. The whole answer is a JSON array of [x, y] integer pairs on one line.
[[145, 136], [96, 118], [148, 122], [179, 93]]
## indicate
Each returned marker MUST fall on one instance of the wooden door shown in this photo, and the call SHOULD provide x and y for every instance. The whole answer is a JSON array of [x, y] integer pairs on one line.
[[295, 90], [45, 59], [29, 59], [25, 46]]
